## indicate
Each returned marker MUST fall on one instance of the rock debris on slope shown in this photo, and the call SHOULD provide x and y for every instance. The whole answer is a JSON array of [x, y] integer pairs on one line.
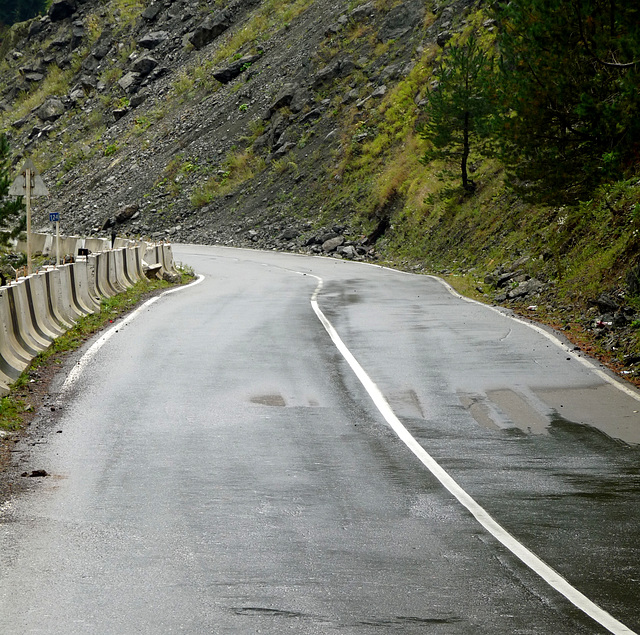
[[290, 85]]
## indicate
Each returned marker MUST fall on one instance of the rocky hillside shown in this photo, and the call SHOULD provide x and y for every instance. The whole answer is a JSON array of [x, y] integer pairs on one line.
[[206, 123], [293, 124]]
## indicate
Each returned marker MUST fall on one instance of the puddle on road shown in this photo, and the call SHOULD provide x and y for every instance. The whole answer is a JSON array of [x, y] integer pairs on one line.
[[506, 409], [602, 407], [269, 400]]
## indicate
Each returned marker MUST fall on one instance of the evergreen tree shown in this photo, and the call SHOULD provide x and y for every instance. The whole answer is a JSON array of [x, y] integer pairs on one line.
[[569, 77], [12, 11], [12, 221], [459, 109]]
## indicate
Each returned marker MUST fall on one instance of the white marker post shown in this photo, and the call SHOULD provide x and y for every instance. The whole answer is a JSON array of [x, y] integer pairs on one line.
[[28, 183]]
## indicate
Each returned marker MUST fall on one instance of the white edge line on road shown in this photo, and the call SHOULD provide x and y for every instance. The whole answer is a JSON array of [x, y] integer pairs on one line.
[[548, 574], [77, 370], [585, 361]]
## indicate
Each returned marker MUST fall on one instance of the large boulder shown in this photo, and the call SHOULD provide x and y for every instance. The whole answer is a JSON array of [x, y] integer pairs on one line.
[[127, 213], [144, 65], [152, 11], [210, 29], [130, 82], [51, 109], [229, 73], [62, 9], [153, 39], [283, 98]]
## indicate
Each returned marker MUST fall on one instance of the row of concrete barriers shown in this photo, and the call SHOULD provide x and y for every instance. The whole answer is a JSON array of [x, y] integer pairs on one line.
[[36, 309]]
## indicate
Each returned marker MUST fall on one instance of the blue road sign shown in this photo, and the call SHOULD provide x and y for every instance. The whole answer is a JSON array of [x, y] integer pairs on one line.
[[54, 217]]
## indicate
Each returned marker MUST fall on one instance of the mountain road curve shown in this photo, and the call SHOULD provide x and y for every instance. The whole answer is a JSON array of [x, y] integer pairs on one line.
[[310, 445]]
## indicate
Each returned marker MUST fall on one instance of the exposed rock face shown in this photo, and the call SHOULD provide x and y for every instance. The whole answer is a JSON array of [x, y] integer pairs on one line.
[[61, 9], [276, 103], [402, 19]]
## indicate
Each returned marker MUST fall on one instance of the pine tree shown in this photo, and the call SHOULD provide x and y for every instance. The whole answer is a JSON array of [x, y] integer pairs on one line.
[[12, 221], [459, 109], [569, 77]]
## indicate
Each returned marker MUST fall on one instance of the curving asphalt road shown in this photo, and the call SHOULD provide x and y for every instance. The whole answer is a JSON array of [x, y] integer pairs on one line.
[[228, 463]]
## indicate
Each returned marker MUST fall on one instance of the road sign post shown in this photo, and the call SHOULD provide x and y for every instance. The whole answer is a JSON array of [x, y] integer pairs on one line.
[[54, 217], [29, 183]]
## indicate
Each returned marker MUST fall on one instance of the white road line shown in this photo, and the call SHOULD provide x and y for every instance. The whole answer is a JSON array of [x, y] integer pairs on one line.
[[77, 370], [585, 361], [552, 577]]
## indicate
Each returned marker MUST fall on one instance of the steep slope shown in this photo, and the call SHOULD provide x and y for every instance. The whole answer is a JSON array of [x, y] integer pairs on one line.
[[232, 138]]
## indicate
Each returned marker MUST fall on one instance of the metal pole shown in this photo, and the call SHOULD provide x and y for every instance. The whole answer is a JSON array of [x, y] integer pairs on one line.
[[28, 197], [57, 243]]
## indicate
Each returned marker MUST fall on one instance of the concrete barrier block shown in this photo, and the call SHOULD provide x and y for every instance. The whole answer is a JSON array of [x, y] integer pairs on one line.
[[83, 272], [24, 310], [104, 287], [15, 355], [43, 312]]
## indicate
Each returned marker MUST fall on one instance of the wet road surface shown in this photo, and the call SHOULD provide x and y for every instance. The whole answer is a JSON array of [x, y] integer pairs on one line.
[[221, 469]]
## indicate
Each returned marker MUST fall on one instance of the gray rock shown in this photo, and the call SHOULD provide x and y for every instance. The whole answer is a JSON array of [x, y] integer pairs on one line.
[[443, 38], [78, 33], [283, 98], [35, 27], [51, 110], [129, 82], [119, 113], [127, 213], [333, 29], [351, 96], [326, 75], [210, 29], [312, 115], [284, 148], [229, 73], [103, 45], [171, 277], [289, 234], [322, 238], [529, 287], [607, 302], [363, 11], [402, 19], [144, 65], [504, 278], [138, 99], [347, 66], [332, 244], [349, 251], [88, 82], [62, 39], [153, 39], [76, 95], [300, 99], [61, 9], [152, 11]]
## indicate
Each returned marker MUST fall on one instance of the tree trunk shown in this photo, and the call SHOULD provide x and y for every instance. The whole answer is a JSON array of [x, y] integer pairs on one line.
[[466, 185]]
